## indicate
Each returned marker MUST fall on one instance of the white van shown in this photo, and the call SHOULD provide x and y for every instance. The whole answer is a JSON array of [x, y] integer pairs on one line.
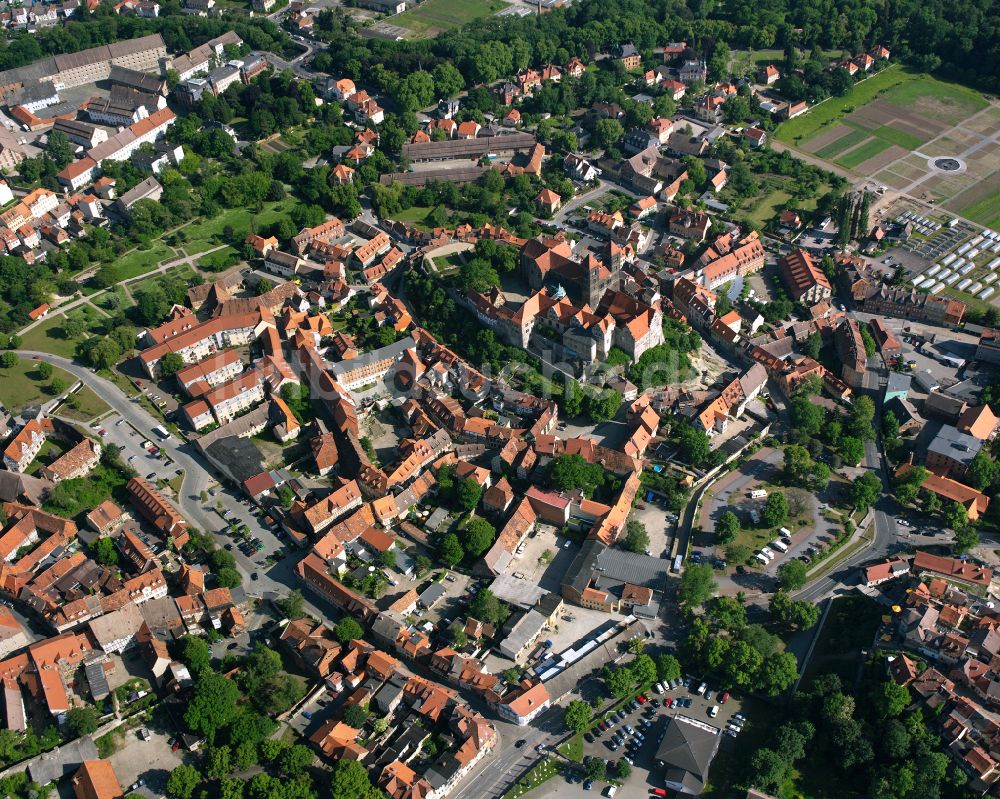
[[767, 553], [778, 545], [611, 791], [785, 532], [764, 561], [758, 493]]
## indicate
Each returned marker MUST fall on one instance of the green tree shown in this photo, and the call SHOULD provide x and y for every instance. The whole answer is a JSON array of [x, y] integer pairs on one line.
[[81, 721], [8, 360], [355, 716], [595, 768], [348, 629], [792, 575], [636, 539], [865, 490], [450, 550], [388, 559], [890, 699], [567, 472], [213, 704], [983, 471], [775, 510], [668, 667], [479, 535], [488, 608], [966, 538], [170, 364], [738, 553], [105, 552], [182, 782], [861, 416], [727, 528], [350, 781], [644, 670], [219, 762], [44, 370], [852, 450], [295, 760], [195, 653], [618, 680], [292, 604], [622, 769], [607, 132], [813, 345], [578, 715], [697, 584], [807, 417], [793, 614], [777, 673], [468, 493]]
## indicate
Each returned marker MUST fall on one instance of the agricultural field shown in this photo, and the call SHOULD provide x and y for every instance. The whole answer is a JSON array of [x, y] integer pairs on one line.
[[434, 16], [905, 108]]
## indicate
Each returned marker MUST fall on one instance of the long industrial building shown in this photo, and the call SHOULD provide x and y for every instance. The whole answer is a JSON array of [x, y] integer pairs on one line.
[[146, 54]]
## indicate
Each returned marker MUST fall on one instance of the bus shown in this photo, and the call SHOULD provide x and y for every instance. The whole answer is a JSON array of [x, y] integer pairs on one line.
[[162, 432]]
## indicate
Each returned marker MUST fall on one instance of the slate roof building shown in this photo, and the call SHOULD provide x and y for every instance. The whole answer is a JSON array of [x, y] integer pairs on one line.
[[686, 753]]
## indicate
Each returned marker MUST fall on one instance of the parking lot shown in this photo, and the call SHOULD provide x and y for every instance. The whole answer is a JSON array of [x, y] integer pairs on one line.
[[651, 723], [121, 433]]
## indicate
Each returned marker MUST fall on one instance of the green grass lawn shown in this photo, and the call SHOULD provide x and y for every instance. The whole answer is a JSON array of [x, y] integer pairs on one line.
[[107, 304], [206, 232], [49, 337], [86, 405], [197, 248], [138, 262], [22, 386], [845, 142], [768, 205], [439, 15], [184, 272], [895, 85], [863, 152]]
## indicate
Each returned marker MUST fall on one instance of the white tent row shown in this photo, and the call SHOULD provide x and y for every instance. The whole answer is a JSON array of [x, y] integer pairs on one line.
[[937, 288], [949, 258], [964, 284], [986, 292]]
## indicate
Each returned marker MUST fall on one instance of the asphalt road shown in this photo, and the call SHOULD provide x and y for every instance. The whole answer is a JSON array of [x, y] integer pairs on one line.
[[279, 577]]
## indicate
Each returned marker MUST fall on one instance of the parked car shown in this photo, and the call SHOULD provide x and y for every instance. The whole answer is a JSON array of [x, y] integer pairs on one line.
[[713, 711], [723, 697], [701, 689]]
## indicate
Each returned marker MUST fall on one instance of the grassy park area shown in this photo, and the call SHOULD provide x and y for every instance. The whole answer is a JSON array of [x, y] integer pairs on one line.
[[433, 16], [22, 385]]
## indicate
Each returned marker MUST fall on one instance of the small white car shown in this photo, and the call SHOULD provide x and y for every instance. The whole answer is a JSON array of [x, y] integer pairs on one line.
[[713, 711]]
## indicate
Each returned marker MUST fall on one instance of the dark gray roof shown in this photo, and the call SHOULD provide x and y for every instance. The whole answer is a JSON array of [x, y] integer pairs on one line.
[[466, 148], [238, 456], [143, 81], [53, 766], [953, 443], [582, 568], [629, 567], [97, 681], [431, 594], [897, 382], [686, 753]]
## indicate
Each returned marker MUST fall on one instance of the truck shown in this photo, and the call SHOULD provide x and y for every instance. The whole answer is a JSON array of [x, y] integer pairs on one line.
[[758, 493], [677, 563]]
